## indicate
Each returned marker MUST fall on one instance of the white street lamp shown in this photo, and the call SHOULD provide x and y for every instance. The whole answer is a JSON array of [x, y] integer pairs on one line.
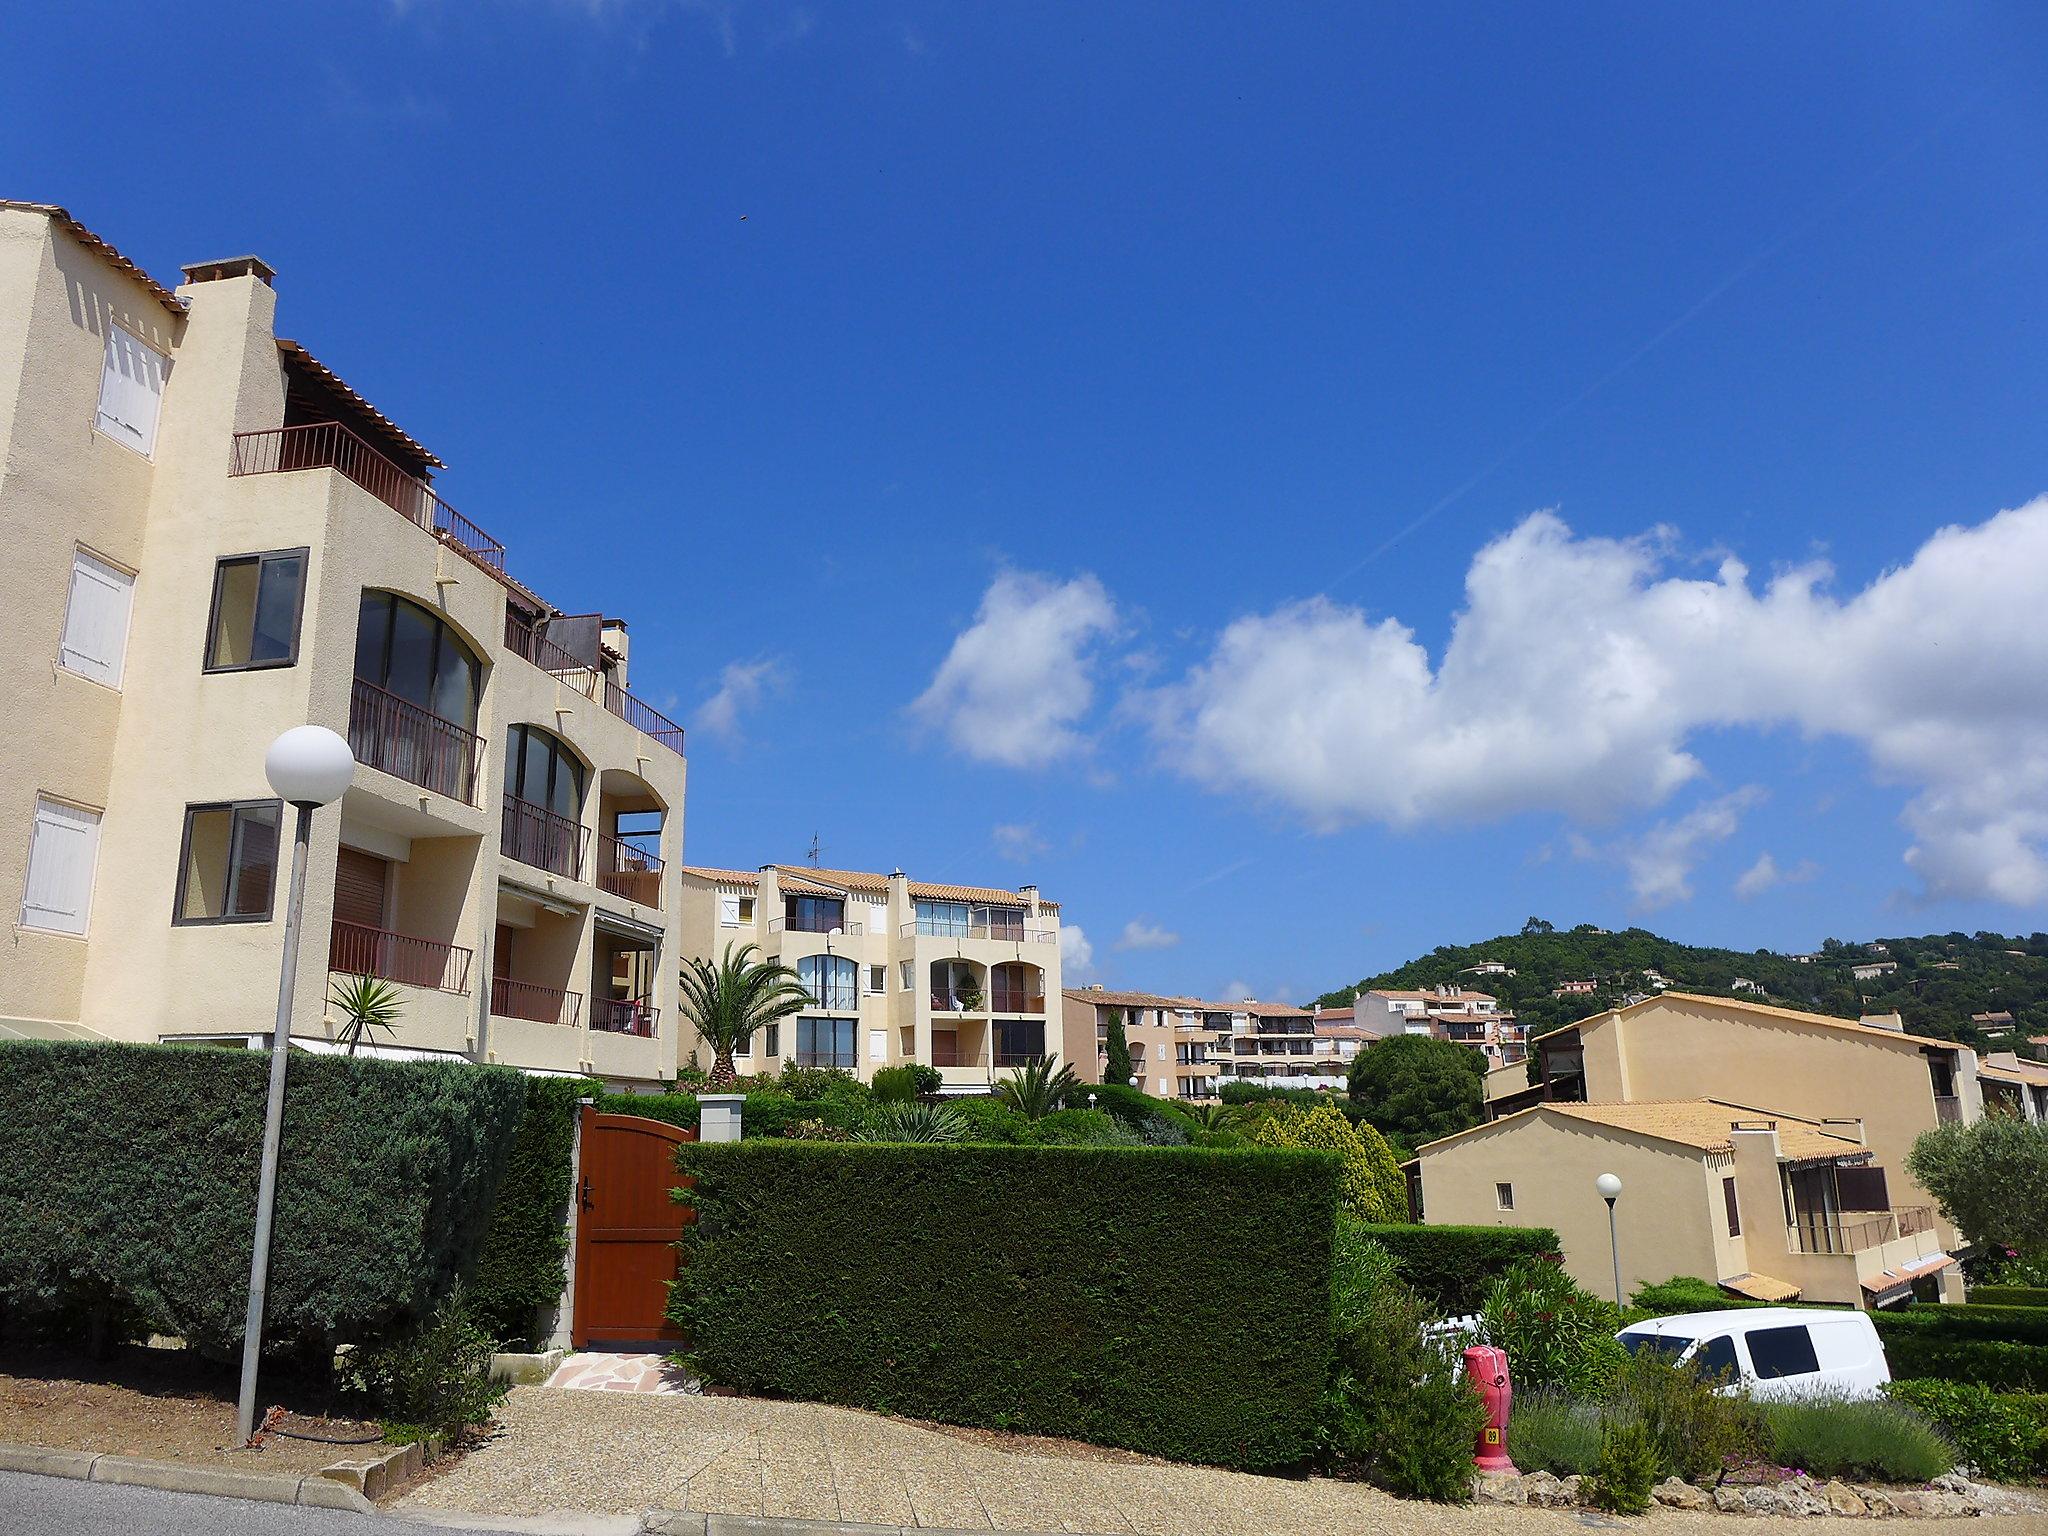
[[309, 766], [1610, 1191]]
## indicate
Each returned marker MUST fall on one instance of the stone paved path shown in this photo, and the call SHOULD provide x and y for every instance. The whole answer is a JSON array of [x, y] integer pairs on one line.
[[597, 1371], [629, 1452]]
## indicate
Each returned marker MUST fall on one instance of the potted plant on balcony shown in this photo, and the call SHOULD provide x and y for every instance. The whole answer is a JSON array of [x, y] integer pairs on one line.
[[967, 994], [366, 1004]]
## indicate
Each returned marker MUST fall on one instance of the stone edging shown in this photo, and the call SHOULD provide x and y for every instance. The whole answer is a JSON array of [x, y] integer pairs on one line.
[[685, 1523], [315, 1489], [1949, 1496]]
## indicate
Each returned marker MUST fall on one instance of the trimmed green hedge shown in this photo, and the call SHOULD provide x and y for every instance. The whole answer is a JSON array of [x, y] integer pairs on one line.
[[1169, 1300], [1451, 1267], [2009, 1295], [1994, 1363], [2004, 1435], [2015, 1325], [128, 1185], [520, 1271]]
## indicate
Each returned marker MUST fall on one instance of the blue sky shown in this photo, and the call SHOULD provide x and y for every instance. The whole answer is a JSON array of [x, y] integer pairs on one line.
[[1054, 442]]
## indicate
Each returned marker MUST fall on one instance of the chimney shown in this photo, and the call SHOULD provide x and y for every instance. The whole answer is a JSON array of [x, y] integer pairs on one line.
[[1095, 986], [612, 635], [1892, 1021], [1030, 895], [234, 266]]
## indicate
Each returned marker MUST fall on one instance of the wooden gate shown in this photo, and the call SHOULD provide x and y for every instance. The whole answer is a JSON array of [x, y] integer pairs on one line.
[[626, 1229]]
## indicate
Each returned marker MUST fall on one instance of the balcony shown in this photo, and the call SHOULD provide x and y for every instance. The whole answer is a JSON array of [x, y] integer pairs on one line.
[[1947, 1108], [944, 1001], [626, 869], [812, 923], [632, 1017], [1021, 1058], [544, 840], [353, 950], [1011, 1000], [957, 928], [528, 1000], [397, 737], [330, 445], [1859, 1232], [527, 643]]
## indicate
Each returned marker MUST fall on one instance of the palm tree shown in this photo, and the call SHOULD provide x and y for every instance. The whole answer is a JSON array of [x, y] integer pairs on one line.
[[728, 1001], [1214, 1117], [366, 1004], [1038, 1087]]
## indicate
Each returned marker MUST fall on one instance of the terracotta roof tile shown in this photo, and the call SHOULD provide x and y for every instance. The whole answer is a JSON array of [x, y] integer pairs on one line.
[[101, 248]]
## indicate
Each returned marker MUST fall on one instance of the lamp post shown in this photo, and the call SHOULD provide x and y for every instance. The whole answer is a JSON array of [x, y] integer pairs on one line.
[[1610, 1191], [309, 766]]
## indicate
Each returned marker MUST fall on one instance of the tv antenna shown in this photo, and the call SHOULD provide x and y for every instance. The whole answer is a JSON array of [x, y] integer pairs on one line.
[[817, 850]]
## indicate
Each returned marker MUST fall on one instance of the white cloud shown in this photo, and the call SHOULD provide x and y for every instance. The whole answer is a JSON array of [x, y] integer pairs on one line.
[[741, 686], [1578, 673], [1077, 955], [1141, 933], [1660, 860], [1234, 992], [1016, 680], [1765, 875], [1017, 840]]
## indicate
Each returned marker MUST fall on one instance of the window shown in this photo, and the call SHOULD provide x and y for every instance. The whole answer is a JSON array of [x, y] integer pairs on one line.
[[771, 1039], [131, 390], [1019, 1043], [746, 909], [95, 638], [878, 978], [906, 970], [407, 651], [227, 864], [813, 914], [946, 919], [257, 603], [1734, 1213], [825, 1042], [1717, 1358], [830, 979], [733, 910], [1504, 1196], [541, 770], [63, 845], [1782, 1352]]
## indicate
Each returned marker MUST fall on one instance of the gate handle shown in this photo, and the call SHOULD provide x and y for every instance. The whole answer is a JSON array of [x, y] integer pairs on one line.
[[584, 1192]]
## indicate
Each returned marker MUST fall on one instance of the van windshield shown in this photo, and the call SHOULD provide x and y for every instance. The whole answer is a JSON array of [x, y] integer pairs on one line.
[[1672, 1344]]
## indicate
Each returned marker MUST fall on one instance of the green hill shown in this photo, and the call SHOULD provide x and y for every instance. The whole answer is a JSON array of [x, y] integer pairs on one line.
[[1939, 982]]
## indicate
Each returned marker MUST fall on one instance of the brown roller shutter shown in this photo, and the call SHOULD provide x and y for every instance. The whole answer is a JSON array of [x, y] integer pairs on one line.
[[1862, 1189], [360, 880]]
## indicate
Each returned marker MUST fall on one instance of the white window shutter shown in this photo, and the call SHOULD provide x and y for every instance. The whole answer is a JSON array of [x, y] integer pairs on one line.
[[878, 1045], [96, 620], [729, 911], [60, 861], [131, 390]]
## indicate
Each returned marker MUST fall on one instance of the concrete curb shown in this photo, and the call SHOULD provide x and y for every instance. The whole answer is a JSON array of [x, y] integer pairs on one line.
[[313, 1488], [685, 1523]]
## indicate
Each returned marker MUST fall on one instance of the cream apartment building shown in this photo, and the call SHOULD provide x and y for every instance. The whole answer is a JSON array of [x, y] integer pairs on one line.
[[210, 538], [965, 979], [1448, 1013], [1179, 1045]]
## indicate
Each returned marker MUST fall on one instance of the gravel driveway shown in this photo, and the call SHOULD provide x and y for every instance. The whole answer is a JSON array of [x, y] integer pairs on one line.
[[623, 1453]]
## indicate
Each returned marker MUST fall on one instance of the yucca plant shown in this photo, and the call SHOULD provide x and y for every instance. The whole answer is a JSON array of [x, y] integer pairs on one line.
[[1037, 1088], [367, 1004], [909, 1120], [728, 1001]]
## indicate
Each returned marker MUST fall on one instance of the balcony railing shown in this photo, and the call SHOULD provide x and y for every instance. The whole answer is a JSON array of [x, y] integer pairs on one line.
[[631, 1017], [354, 950], [397, 737], [814, 925], [944, 1001], [1823, 1234], [626, 869], [330, 445], [1018, 1058], [843, 1059], [1947, 1108], [543, 839], [961, 928], [1014, 1000], [528, 643], [1914, 1219], [528, 1000]]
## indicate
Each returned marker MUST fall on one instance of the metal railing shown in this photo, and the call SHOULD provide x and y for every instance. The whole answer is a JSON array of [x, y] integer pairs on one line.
[[1018, 1058], [540, 837], [633, 1016], [1913, 1219], [527, 643], [944, 1001], [533, 1002], [356, 950], [953, 928], [1947, 1108], [330, 445], [398, 737], [826, 1059], [814, 925], [626, 869], [1015, 1000], [1824, 1234]]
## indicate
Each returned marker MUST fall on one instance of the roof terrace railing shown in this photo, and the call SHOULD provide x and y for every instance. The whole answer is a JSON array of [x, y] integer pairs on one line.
[[524, 641]]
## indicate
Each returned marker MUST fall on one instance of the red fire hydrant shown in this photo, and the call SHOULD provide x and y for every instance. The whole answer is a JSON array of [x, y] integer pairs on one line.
[[1487, 1369]]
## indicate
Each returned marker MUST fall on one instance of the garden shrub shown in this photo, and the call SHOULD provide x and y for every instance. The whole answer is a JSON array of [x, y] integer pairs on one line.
[[520, 1272], [1557, 1334], [903, 1120], [1372, 1188], [435, 1377], [671, 1108], [2009, 1295], [1914, 1350], [1451, 1268], [1242, 1095], [2015, 1325], [891, 1084], [128, 1179], [991, 1122], [818, 1130], [1081, 1128], [1628, 1469], [2003, 1435], [1135, 1108], [1398, 1410], [1685, 1293], [1843, 1437], [1555, 1433], [1694, 1427], [1098, 1293]]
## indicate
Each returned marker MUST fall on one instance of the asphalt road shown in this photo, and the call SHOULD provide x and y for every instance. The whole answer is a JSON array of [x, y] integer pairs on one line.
[[60, 1506]]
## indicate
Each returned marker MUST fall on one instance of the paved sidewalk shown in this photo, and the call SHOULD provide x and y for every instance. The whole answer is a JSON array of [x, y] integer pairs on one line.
[[626, 1453], [598, 1371]]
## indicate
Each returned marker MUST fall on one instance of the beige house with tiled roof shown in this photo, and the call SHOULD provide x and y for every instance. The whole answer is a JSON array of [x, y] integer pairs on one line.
[[1771, 1205], [900, 971], [1179, 1045], [210, 537]]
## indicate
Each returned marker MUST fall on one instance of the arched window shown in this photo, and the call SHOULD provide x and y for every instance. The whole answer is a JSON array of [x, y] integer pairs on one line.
[[1017, 988], [541, 770], [409, 651], [832, 980]]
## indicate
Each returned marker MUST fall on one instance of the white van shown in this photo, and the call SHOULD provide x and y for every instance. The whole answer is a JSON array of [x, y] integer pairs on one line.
[[1776, 1352]]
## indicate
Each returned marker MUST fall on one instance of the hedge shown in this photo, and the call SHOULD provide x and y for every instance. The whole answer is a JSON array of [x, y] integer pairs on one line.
[[520, 1272], [128, 1185], [2015, 1325], [2004, 1435], [1995, 1363], [2009, 1295], [1170, 1300], [1451, 1267]]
